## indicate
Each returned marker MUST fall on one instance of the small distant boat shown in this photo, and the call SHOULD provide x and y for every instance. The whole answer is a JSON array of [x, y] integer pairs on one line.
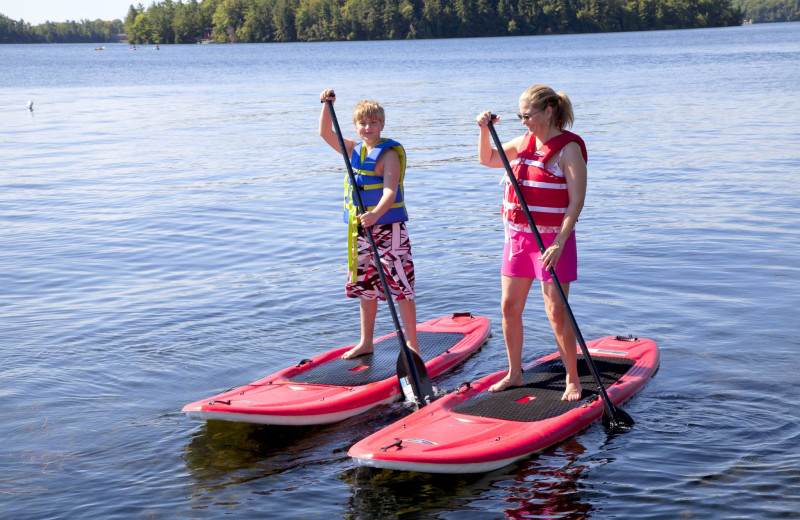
[[156, 48], [99, 48]]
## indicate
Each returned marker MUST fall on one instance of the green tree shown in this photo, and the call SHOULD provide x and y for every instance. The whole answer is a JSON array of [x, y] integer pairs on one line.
[[283, 17], [187, 22], [160, 17], [130, 18], [319, 20], [258, 25], [229, 16], [140, 31]]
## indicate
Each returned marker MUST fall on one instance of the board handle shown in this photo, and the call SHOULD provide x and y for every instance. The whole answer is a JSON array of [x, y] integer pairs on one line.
[[462, 315]]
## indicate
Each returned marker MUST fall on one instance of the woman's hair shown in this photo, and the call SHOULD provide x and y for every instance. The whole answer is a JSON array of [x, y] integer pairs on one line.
[[366, 108], [542, 96]]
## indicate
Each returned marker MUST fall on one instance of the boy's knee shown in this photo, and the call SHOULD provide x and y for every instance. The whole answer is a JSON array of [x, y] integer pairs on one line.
[[405, 303]]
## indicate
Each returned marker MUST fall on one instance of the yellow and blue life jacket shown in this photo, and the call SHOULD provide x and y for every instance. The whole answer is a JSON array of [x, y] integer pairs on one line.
[[370, 185]]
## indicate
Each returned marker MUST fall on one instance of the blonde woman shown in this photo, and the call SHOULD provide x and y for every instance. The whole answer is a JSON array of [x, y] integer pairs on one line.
[[549, 163]]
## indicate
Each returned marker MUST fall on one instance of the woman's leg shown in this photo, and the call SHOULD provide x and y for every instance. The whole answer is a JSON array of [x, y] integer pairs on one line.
[[515, 293], [565, 337]]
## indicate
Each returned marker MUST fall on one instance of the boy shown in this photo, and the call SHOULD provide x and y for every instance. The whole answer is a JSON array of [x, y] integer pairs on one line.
[[379, 168]]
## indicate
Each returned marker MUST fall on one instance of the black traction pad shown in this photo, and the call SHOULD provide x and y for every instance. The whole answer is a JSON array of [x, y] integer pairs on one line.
[[540, 396], [379, 365]]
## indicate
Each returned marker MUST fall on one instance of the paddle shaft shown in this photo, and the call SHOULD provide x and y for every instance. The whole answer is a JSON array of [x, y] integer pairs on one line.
[[406, 353], [610, 408]]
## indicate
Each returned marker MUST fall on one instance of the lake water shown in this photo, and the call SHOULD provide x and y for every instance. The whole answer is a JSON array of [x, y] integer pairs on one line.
[[170, 227]]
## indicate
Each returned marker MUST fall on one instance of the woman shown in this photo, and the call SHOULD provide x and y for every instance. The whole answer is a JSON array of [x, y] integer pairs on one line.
[[550, 165]]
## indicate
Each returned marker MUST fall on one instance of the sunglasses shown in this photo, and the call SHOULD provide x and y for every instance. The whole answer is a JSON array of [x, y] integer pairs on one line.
[[525, 117]]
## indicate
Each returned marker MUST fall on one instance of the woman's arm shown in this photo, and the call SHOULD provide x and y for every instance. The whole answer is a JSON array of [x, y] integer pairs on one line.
[[487, 155]]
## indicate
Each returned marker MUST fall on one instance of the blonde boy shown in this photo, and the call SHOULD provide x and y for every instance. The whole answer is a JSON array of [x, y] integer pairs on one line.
[[379, 168]]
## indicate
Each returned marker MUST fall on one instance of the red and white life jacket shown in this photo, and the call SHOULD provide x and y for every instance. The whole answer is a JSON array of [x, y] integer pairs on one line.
[[545, 194]]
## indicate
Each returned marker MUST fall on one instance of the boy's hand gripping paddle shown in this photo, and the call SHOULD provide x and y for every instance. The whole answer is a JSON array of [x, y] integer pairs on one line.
[[612, 416], [411, 369]]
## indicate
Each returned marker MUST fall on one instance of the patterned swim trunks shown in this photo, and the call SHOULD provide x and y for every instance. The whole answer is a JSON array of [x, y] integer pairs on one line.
[[395, 252]]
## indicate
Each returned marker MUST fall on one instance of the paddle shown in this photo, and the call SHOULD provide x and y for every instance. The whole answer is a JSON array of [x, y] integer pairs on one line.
[[409, 364], [612, 416]]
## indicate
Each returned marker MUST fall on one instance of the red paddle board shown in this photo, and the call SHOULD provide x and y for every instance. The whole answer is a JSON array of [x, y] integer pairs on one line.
[[327, 388], [472, 430]]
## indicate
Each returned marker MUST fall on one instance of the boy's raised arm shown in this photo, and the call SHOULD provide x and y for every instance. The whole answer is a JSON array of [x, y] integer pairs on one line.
[[326, 124]]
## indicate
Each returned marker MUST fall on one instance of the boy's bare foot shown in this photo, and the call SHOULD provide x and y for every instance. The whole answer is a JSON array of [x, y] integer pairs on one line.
[[506, 382], [572, 393], [358, 350]]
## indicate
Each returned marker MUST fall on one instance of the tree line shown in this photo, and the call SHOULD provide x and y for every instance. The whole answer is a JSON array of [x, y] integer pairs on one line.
[[765, 11], [85, 31], [321, 20], [252, 21]]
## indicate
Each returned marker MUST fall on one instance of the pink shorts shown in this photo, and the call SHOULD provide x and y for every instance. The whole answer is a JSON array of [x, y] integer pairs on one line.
[[521, 257]]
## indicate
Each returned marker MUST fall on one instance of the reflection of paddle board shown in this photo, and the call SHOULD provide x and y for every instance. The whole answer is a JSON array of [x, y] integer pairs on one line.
[[472, 430], [327, 388]]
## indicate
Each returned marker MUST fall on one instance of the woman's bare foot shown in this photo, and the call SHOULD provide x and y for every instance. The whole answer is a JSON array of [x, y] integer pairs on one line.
[[572, 393], [507, 382], [359, 350]]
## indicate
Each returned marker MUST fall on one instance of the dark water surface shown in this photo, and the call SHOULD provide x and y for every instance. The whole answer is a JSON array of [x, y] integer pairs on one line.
[[169, 228]]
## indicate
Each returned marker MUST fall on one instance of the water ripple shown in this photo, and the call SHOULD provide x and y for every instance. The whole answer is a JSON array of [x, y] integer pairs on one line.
[[170, 229]]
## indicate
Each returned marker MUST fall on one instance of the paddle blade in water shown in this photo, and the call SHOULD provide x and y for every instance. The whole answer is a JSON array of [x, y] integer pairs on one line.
[[623, 420], [406, 380]]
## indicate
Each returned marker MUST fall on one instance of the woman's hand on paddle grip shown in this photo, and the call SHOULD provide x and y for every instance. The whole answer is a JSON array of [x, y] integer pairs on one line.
[[485, 117]]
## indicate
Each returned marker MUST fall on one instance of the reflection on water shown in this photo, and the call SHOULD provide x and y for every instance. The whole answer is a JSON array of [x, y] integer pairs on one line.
[[222, 456], [221, 447], [541, 488], [547, 485]]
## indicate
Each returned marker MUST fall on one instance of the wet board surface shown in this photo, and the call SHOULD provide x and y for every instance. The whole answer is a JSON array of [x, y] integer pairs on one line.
[[540, 396], [379, 365], [327, 389]]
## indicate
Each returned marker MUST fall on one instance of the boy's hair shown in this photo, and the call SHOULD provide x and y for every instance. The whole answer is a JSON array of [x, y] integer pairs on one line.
[[366, 108]]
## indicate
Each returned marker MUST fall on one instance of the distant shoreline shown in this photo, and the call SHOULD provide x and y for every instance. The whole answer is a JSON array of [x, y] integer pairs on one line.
[[265, 21]]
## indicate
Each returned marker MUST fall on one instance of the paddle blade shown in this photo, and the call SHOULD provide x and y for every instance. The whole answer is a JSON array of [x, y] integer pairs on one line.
[[423, 394], [622, 421]]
